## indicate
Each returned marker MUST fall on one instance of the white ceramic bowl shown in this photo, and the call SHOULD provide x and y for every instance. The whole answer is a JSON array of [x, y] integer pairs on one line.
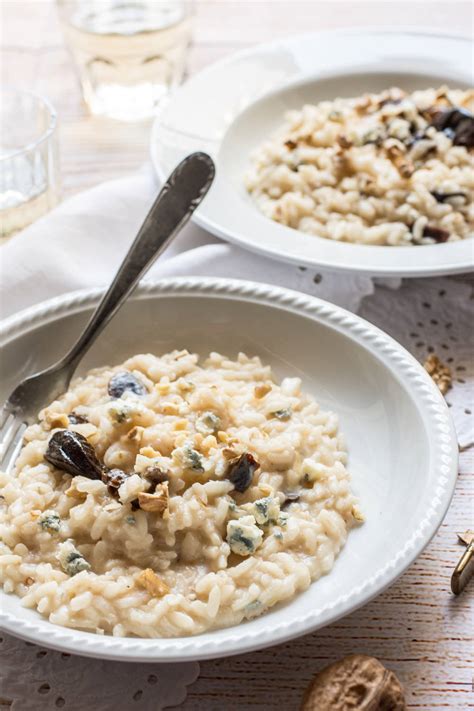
[[234, 105], [402, 446]]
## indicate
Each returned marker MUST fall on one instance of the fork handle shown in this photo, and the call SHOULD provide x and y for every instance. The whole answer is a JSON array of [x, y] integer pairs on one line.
[[179, 197]]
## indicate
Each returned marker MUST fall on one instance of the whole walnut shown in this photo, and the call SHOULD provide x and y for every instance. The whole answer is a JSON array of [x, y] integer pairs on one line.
[[355, 683]]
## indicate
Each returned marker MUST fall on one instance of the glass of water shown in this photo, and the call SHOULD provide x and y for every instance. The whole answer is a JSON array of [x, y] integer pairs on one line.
[[29, 170], [129, 53]]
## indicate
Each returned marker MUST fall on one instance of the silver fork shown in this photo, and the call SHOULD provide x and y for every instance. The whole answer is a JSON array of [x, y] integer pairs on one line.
[[176, 202]]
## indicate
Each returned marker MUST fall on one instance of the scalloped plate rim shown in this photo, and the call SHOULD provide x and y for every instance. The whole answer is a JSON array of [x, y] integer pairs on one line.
[[240, 638]]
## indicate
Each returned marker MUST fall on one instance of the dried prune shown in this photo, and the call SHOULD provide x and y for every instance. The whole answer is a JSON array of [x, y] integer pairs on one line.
[[114, 478], [120, 382], [458, 124], [446, 197], [72, 453], [436, 233], [76, 419], [241, 471]]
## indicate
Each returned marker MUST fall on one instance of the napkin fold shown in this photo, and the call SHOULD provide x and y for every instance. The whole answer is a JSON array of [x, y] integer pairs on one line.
[[81, 243]]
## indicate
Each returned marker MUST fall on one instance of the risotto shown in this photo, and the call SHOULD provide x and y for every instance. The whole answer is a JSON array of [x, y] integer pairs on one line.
[[163, 498], [381, 169]]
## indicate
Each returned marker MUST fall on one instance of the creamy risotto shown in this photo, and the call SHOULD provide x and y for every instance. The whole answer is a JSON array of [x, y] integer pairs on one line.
[[387, 169], [165, 498]]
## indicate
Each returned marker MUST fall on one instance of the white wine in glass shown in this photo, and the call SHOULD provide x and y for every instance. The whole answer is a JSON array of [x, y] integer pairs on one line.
[[129, 53]]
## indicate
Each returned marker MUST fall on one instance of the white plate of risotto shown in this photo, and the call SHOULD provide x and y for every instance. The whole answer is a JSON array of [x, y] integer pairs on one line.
[[234, 465], [349, 150]]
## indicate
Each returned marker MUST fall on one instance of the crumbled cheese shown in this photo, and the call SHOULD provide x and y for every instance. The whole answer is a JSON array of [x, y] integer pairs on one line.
[[121, 410], [243, 535], [189, 458], [50, 521], [71, 561], [264, 510], [208, 423]]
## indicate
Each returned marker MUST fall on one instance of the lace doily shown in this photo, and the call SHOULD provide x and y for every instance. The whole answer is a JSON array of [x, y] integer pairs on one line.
[[37, 678], [434, 316]]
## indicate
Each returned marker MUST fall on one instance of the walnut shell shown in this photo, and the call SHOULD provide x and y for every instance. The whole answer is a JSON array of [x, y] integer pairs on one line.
[[355, 683]]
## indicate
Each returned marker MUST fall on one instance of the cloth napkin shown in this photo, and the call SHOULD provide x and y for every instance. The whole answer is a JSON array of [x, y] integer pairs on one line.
[[82, 242]]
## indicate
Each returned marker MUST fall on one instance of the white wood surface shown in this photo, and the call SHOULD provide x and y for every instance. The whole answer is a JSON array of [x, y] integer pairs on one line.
[[416, 627]]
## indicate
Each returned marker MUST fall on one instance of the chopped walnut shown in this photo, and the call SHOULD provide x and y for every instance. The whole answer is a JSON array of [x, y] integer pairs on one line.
[[399, 159], [440, 372], [363, 104], [156, 502], [229, 453], [149, 452], [135, 434], [357, 514], [343, 165], [261, 390], [344, 142], [56, 419], [150, 581], [73, 493]]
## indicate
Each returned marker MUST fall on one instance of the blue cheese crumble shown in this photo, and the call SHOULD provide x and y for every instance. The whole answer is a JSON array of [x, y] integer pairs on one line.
[[243, 535], [50, 522], [125, 410], [266, 510], [208, 423], [71, 561], [189, 458]]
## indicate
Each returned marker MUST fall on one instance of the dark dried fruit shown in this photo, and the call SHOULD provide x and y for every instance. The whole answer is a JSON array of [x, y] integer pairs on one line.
[[114, 478], [120, 382], [155, 475], [436, 233], [72, 453], [241, 471], [458, 124], [446, 197], [76, 419]]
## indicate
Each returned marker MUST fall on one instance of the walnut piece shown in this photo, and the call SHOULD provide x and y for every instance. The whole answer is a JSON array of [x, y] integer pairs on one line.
[[356, 682], [399, 159], [150, 581], [439, 371], [262, 390], [157, 502]]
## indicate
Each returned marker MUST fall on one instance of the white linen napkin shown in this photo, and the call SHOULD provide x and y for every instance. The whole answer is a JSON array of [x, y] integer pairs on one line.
[[82, 242]]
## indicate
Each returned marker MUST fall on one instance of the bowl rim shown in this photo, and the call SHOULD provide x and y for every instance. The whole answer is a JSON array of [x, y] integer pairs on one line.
[[244, 638], [339, 257]]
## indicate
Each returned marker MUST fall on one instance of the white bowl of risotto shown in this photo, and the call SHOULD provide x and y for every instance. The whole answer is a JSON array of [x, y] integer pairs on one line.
[[347, 150], [235, 465]]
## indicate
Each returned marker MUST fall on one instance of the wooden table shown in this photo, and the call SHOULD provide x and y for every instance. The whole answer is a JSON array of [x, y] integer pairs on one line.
[[416, 627]]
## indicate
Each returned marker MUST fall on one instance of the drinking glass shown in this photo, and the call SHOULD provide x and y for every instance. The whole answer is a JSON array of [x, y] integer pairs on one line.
[[129, 53], [29, 170]]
